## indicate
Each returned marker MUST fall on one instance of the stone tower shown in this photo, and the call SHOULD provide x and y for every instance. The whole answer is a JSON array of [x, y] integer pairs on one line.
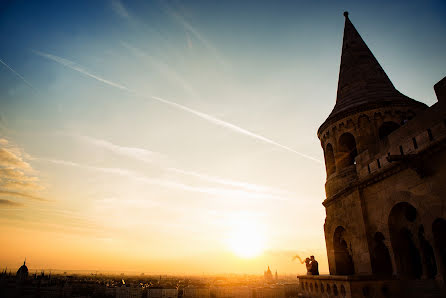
[[368, 108], [385, 158]]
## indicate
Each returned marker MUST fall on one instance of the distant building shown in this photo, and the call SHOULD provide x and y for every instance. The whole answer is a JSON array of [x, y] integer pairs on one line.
[[231, 292], [270, 292], [268, 275], [162, 293], [128, 292], [22, 273], [196, 292]]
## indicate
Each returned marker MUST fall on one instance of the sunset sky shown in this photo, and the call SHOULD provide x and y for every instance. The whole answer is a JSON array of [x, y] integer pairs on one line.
[[180, 136]]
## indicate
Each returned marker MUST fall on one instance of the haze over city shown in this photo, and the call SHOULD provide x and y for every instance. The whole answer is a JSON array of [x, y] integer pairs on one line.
[[180, 136]]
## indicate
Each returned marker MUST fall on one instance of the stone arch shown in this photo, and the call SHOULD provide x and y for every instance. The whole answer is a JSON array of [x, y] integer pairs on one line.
[[381, 261], [386, 129], [330, 163], [439, 233], [403, 230], [343, 259], [346, 150], [428, 256]]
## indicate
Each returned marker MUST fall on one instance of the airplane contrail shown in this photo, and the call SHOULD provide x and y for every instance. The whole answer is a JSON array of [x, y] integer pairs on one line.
[[16, 73], [199, 114], [232, 127], [76, 67]]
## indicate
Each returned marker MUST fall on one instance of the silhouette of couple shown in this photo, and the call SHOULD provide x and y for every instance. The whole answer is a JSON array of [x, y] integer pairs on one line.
[[311, 264]]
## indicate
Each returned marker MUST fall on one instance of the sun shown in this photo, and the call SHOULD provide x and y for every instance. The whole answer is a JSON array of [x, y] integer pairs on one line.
[[246, 240]]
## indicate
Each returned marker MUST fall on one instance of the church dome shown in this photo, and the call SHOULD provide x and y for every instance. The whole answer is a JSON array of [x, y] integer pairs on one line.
[[22, 273]]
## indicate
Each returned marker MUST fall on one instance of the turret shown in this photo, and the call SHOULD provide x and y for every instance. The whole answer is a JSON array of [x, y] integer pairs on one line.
[[368, 108]]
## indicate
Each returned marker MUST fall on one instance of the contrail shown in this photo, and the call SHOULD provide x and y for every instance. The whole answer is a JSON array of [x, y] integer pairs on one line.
[[189, 28], [157, 158], [76, 67], [17, 74], [199, 114], [233, 127]]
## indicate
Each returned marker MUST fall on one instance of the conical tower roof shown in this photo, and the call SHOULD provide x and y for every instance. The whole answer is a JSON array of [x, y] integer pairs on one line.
[[362, 83]]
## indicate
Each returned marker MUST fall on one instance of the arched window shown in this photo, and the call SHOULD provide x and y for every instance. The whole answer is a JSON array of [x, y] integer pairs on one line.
[[386, 129], [330, 160], [343, 259], [403, 229], [347, 150]]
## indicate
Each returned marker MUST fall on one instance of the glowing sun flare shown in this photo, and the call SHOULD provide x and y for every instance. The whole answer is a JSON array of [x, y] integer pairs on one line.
[[246, 242]]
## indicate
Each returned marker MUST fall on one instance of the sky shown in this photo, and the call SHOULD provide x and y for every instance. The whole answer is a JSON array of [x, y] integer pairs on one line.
[[180, 136]]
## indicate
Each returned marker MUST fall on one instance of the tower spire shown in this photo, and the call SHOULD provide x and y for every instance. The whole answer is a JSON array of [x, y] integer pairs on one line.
[[360, 74], [362, 83]]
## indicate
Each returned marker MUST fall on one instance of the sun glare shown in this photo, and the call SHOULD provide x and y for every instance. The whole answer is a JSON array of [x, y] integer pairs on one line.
[[246, 240]]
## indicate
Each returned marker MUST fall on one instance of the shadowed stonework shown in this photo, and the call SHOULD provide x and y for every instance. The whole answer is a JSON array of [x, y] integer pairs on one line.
[[385, 157]]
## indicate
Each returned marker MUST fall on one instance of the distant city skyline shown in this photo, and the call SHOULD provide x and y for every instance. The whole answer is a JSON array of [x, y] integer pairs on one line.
[[180, 137]]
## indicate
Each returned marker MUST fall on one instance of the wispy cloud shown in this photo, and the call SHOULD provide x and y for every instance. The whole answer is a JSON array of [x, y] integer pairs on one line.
[[148, 156], [11, 160], [132, 152], [16, 73], [163, 68], [17, 177], [21, 195], [119, 8], [199, 114], [9, 203], [195, 32], [135, 176], [223, 181]]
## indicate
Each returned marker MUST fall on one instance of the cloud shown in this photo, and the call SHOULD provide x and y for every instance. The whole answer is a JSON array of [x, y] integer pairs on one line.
[[135, 176], [21, 195], [15, 184], [153, 157], [15, 174], [8, 203], [199, 114], [17, 177], [9, 159], [163, 68], [16, 73], [195, 32], [228, 182], [132, 152], [119, 8]]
